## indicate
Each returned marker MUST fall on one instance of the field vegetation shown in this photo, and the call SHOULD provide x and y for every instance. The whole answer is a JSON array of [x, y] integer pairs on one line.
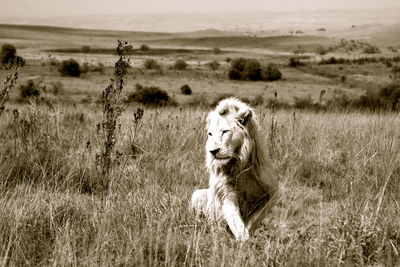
[[100, 172]]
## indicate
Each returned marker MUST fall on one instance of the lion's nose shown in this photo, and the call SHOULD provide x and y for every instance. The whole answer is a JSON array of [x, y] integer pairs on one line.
[[215, 151]]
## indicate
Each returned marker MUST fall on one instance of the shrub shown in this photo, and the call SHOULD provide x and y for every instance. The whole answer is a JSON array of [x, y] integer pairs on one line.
[[186, 90], [322, 50], [294, 62], [7, 53], [152, 95], [252, 70], [371, 49], [30, 89], [214, 65], [245, 69], [238, 64], [271, 73], [216, 50], [151, 64], [144, 47], [69, 68], [234, 74], [85, 49], [180, 64]]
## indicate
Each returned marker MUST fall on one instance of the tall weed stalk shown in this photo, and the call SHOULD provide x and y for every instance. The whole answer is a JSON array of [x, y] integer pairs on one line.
[[113, 105]]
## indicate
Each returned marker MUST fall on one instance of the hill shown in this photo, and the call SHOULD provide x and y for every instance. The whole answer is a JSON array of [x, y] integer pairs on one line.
[[280, 43]]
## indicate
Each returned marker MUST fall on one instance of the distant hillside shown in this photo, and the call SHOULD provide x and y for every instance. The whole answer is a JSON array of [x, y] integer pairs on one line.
[[36, 31], [390, 36], [67, 37], [281, 43], [254, 21]]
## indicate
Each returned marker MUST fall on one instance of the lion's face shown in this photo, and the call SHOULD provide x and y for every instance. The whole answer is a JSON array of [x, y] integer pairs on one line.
[[228, 138]]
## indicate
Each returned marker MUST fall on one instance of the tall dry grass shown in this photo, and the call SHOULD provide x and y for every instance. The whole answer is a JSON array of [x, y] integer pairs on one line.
[[339, 181]]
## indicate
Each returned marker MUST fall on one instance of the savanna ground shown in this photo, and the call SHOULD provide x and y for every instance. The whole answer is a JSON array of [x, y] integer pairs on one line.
[[338, 171]]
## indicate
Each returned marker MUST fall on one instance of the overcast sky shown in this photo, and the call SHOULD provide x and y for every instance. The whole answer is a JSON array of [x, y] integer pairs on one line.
[[11, 8]]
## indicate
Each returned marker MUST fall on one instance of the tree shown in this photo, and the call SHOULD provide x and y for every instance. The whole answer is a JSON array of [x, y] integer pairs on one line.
[[186, 90], [144, 47], [69, 68], [7, 53]]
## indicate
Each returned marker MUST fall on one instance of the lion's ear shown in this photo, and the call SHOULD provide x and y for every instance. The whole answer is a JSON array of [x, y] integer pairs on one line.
[[245, 117]]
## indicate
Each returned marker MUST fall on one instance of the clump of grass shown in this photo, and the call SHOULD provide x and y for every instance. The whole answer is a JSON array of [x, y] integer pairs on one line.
[[9, 84], [113, 105]]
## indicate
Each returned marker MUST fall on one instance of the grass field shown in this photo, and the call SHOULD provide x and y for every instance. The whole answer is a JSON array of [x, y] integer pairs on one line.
[[338, 175], [338, 171]]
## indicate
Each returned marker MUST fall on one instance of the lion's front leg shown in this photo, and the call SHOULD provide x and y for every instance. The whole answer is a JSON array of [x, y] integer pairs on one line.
[[199, 201], [231, 213]]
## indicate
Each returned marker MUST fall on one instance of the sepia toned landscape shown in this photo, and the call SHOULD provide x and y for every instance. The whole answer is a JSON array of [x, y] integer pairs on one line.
[[98, 160]]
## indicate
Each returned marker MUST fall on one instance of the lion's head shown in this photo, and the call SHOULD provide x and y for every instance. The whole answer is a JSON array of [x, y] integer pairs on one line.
[[232, 136]]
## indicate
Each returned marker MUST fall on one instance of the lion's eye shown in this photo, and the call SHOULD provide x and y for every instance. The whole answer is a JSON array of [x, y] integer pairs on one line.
[[225, 131], [210, 134]]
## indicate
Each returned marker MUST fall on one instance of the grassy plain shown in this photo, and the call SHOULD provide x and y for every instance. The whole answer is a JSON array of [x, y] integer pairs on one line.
[[339, 174]]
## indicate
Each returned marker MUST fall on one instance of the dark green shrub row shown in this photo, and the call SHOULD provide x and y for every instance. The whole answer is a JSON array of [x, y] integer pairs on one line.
[[251, 70]]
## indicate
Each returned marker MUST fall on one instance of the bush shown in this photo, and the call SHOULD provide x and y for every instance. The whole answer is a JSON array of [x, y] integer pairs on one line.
[[216, 50], [180, 64], [151, 96], [371, 49], [151, 64], [271, 73], [69, 68], [144, 47], [186, 90], [234, 74], [30, 89], [294, 62], [250, 69], [214, 65], [322, 50], [245, 69], [7, 53]]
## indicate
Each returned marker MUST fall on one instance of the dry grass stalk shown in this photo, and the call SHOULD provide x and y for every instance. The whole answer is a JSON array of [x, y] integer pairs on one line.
[[113, 105]]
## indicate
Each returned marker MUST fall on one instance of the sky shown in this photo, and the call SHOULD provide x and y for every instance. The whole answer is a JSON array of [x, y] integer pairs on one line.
[[45, 8]]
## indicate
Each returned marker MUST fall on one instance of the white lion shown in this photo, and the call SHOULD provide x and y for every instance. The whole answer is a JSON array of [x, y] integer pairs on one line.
[[242, 181]]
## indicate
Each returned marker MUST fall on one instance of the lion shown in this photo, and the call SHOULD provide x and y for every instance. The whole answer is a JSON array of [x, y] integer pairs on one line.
[[242, 182]]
